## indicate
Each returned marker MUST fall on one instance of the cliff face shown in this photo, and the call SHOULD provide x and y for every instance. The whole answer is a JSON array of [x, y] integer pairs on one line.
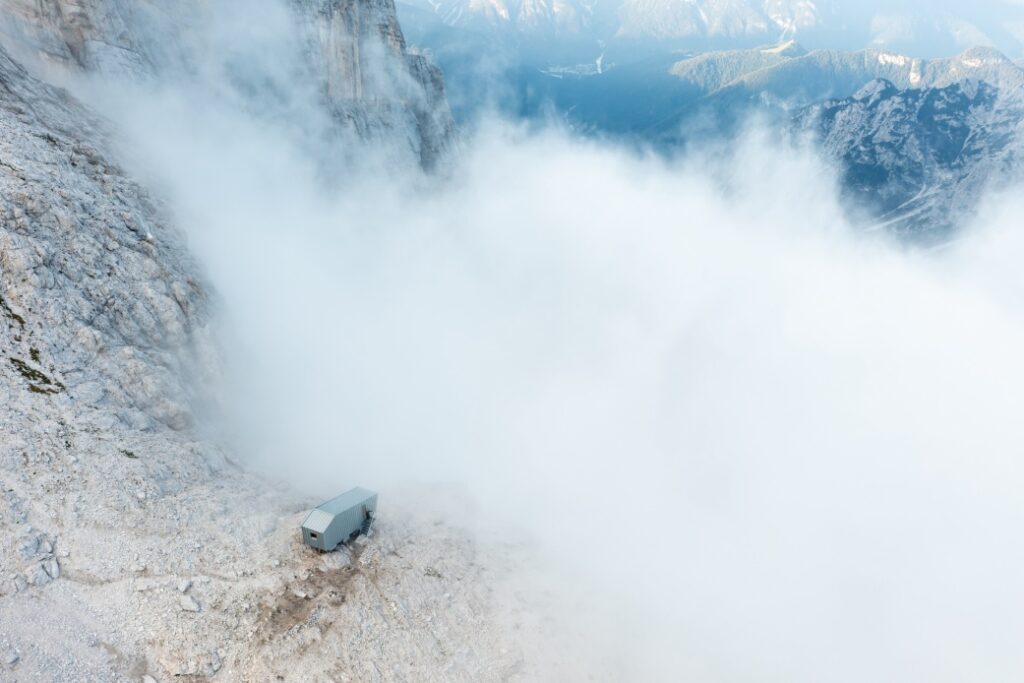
[[95, 35], [371, 81], [97, 289], [100, 304], [353, 50]]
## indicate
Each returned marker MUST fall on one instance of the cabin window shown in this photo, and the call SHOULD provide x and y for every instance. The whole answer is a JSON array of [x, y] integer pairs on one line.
[[312, 534]]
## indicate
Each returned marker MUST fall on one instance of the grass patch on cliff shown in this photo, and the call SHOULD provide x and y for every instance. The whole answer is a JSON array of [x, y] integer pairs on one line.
[[39, 383], [10, 314]]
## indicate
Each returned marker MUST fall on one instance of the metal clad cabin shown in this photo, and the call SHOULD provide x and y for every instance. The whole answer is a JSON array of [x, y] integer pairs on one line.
[[339, 519]]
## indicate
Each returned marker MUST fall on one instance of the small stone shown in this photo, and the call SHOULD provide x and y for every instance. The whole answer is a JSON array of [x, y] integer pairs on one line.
[[52, 568], [45, 547], [138, 568], [39, 576], [28, 546], [11, 658], [189, 668], [214, 664], [20, 583], [141, 495], [335, 561], [188, 603], [146, 678], [184, 585]]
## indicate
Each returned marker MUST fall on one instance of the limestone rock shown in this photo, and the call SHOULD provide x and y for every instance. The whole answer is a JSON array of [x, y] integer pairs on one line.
[[52, 568], [354, 49], [188, 603], [39, 576], [63, 201]]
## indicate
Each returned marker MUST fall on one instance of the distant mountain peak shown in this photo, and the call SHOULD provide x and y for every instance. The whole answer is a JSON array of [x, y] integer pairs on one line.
[[604, 20], [715, 18], [918, 160], [878, 89]]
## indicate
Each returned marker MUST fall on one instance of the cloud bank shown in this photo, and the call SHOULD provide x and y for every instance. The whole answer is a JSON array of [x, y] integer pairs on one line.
[[758, 445]]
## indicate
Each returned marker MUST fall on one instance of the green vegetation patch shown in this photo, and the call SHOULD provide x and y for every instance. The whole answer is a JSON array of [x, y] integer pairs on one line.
[[39, 383], [11, 315], [129, 454]]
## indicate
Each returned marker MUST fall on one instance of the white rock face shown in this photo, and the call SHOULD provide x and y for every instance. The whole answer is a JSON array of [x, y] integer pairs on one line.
[[105, 352], [102, 308], [354, 52], [131, 548], [95, 35]]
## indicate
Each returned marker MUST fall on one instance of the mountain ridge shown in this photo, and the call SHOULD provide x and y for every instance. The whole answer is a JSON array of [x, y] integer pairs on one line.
[[918, 161]]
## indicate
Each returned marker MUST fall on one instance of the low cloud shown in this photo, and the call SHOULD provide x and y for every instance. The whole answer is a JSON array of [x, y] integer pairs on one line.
[[758, 444]]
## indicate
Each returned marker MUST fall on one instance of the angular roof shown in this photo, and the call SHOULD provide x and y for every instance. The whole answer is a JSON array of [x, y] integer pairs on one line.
[[318, 521], [349, 499]]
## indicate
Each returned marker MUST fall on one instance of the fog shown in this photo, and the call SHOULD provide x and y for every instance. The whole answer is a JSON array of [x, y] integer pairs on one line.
[[750, 442]]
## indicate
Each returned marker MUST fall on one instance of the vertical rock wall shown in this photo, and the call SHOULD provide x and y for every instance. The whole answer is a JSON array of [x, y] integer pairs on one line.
[[355, 52]]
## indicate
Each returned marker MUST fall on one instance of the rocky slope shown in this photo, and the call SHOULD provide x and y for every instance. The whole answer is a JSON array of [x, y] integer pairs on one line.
[[351, 51], [132, 548], [918, 142], [917, 161], [102, 306]]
